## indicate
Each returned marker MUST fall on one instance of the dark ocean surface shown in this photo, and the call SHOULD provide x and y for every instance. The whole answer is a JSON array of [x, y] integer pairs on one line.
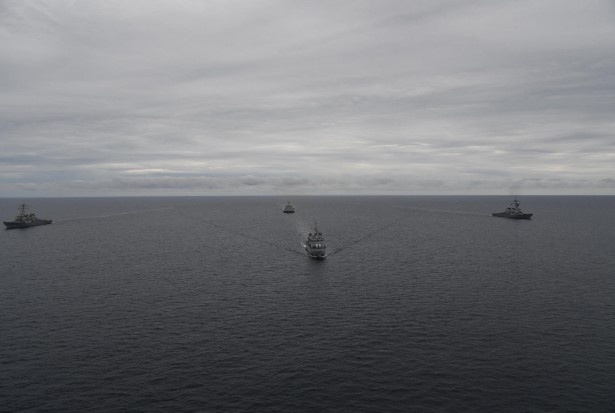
[[425, 304]]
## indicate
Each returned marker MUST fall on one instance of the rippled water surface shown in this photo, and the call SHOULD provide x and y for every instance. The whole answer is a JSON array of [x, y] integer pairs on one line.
[[209, 304]]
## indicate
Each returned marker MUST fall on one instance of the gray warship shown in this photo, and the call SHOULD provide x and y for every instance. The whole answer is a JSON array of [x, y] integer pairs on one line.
[[513, 212], [315, 244], [25, 220], [289, 208]]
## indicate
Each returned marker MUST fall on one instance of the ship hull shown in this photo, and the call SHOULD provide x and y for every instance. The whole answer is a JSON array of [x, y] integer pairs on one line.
[[512, 216], [15, 225], [316, 256], [289, 212], [315, 253]]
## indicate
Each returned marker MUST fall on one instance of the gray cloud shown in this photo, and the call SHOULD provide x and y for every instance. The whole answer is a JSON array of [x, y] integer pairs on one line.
[[162, 97]]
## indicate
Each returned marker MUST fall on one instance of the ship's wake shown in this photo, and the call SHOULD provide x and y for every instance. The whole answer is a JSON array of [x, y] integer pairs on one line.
[[96, 217], [302, 251], [371, 234], [249, 237], [446, 211]]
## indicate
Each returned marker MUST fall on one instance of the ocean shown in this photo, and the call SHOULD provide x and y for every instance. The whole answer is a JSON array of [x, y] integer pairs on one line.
[[208, 304]]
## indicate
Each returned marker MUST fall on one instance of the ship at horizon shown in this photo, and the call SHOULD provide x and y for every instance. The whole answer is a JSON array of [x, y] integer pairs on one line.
[[513, 212], [25, 219]]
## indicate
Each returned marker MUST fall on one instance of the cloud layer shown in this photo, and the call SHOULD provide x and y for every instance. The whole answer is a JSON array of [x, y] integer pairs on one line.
[[305, 97]]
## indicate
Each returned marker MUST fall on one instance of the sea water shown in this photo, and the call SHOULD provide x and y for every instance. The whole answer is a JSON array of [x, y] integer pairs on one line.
[[210, 304]]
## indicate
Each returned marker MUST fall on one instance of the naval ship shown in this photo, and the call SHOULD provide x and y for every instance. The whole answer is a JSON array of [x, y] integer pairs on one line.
[[513, 212], [25, 220], [289, 209], [315, 244]]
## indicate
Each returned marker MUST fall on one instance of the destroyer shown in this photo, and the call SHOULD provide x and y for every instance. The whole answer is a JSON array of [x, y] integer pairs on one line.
[[315, 244], [513, 212], [289, 209], [25, 220]]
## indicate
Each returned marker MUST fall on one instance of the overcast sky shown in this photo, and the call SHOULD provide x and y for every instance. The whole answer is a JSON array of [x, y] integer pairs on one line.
[[209, 97]]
